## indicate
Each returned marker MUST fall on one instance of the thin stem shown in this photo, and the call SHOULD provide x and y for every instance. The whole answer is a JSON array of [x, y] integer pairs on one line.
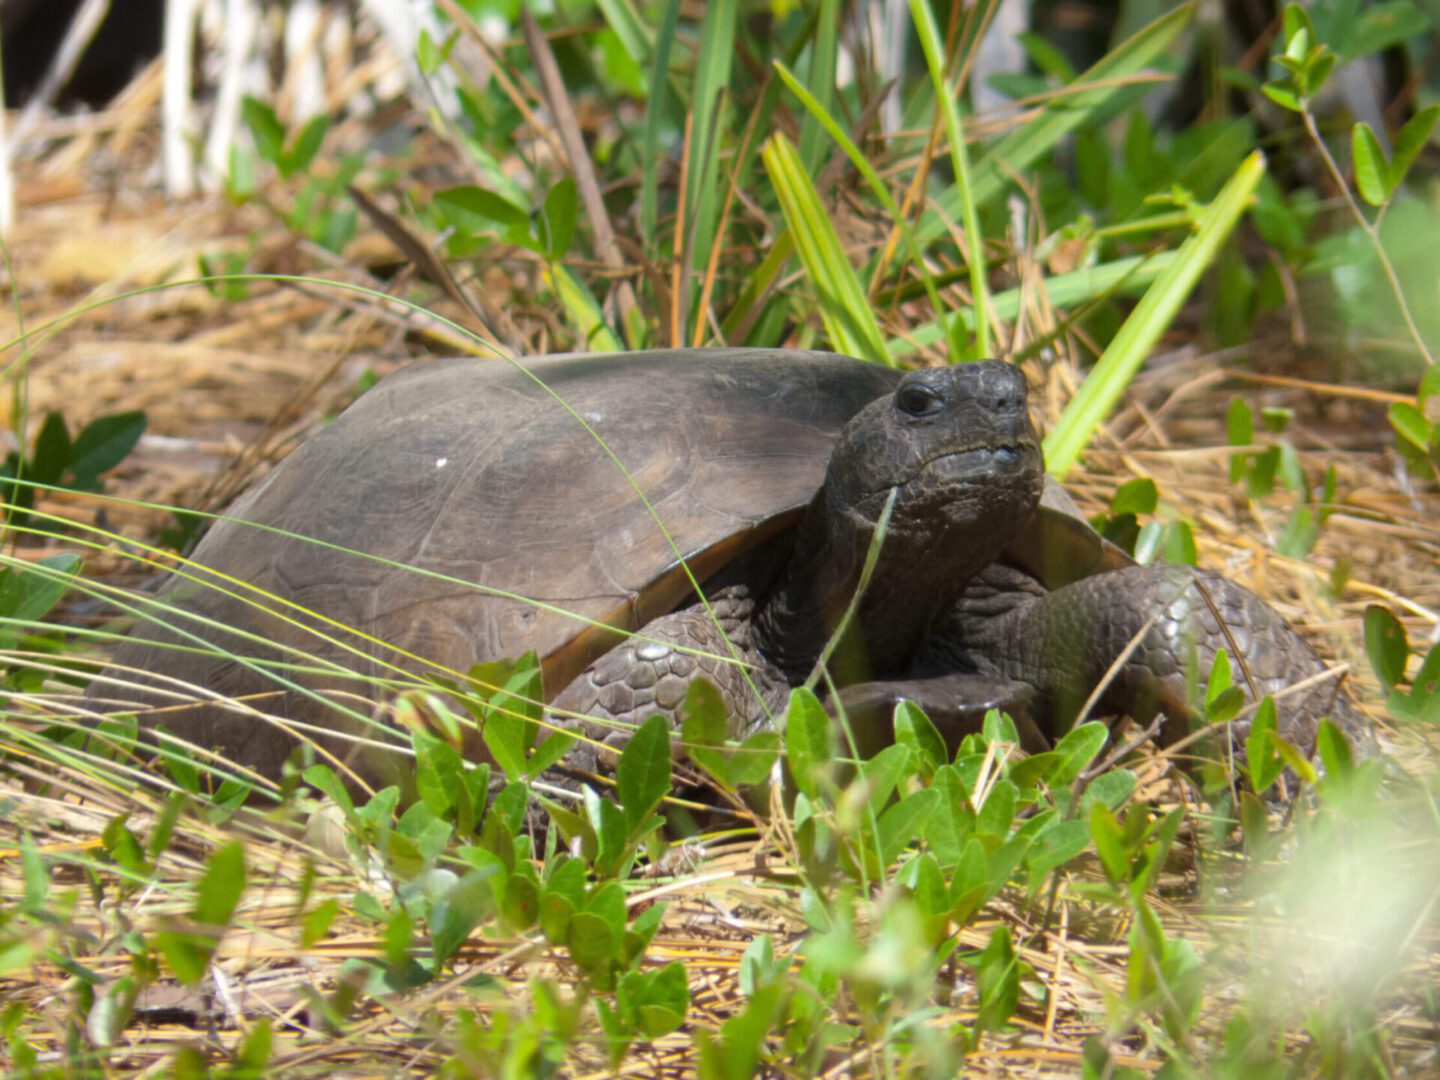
[[1369, 230]]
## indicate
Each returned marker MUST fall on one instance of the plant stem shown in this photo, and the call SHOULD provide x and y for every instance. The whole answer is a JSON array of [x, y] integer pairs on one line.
[[1370, 231]]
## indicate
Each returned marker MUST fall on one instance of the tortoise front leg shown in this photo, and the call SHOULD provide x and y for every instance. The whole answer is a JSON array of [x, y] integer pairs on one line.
[[652, 673], [1065, 642]]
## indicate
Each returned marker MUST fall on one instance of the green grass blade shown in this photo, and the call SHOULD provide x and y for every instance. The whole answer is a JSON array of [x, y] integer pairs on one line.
[[655, 108], [821, 116], [1151, 317], [946, 101], [712, 75], [579, 303], [628, 27], [1021, 148], [844, 308], [1064, 291], [821, 80], [757, 286]]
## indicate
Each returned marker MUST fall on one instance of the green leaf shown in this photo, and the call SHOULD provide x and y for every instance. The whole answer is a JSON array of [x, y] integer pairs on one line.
[[703, 728], [103, 445], [902, 823], [591, 941], [1372, 171], [52, 451], [475, 209], [1138, 496], [1334, 750], [1386, 645], [1151, 318], [28, 593], [1057, 844], [754, 758], [997, 979], [1300, 534], [643, 776], [1262, 755], [307, 144], [221, 885], [558, 217], [809, 740], [1110, 789], [265, 128], [1077, 749], [1109, 838], [1411, 425], [997, 815], [1411, 140], [915, 730], [316, 923], [1283, 96]]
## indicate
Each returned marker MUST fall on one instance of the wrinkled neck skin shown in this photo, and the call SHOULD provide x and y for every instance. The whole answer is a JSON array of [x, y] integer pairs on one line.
[[918, 578]]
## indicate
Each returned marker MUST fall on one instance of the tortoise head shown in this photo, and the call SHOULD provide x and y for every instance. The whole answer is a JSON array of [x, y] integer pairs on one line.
[[956, 446]]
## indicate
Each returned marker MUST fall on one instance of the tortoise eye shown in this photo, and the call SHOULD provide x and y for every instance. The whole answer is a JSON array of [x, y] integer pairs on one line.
[[917, 399]]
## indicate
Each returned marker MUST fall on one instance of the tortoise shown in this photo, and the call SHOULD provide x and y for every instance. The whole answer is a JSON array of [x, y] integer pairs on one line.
[[465, 510]]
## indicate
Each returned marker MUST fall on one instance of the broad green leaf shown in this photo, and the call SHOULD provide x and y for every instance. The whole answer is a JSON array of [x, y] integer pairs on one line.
[[1057, 845], [1300, 534], [642, 778], [953, 822], [1077, 748], [1138, 496], [103, 445], [809, 740], [703, 728], [903, 822], [591, 941], [265, 128], [1152, 316], [1386, 645], [557, 219], [1262, 755], [753, 759], [301, 155], [1372, 171], [915, 730], [1283, 96], [1334, 750], [28, 593], [997, 815], [1411, 140], [1110, 789], [221, 885], [1411, 425], [52, 451], [474, 209], [997, 979], [1109, 838]]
